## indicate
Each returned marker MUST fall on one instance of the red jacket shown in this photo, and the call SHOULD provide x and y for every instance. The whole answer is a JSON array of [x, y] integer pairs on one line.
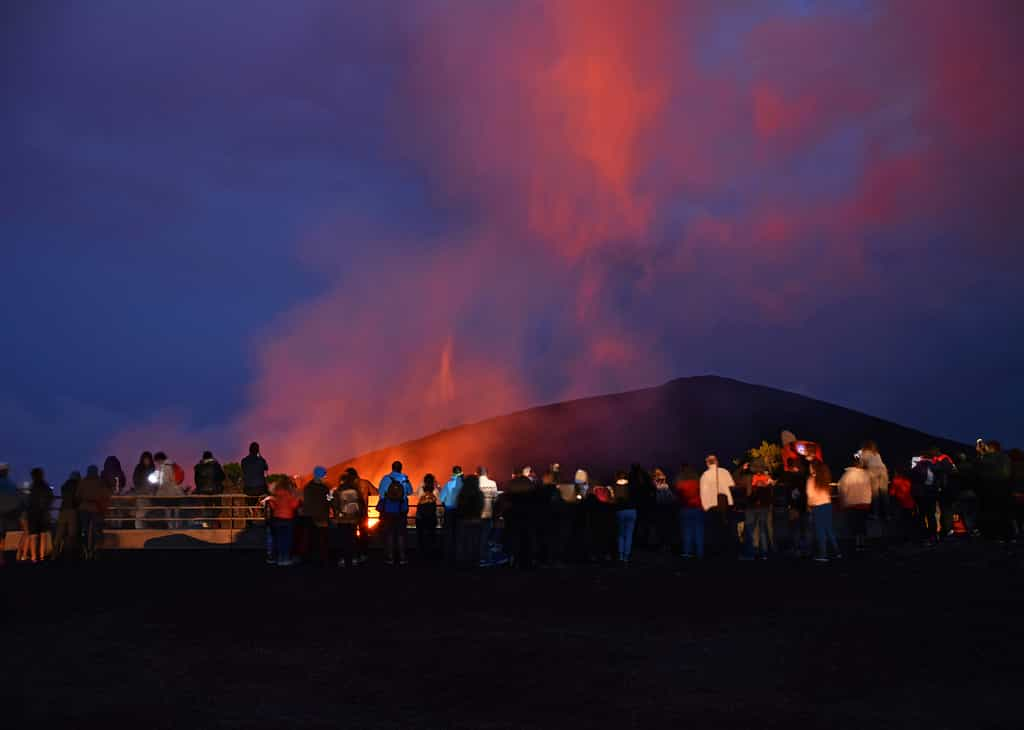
[[899, 489], [689, 493], [284, 504]]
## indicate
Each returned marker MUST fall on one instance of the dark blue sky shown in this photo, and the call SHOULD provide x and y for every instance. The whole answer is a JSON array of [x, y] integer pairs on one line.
[[330, 225]]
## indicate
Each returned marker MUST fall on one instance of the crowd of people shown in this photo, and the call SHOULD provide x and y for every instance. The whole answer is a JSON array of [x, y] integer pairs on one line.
[[777, 500]]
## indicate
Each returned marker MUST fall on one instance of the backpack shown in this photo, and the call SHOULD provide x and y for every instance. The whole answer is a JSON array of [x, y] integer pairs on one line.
[[179, 474], [394, 497], [603, 494], [348, 504]]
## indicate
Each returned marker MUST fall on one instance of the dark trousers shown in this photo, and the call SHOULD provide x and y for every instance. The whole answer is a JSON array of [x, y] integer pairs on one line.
[[451, 533], [318, 544], [926, 517], [468, 553], [518, 535], [92, 529], [347, 542], [426, 538], [65, 540], [393, 527], [667, 523]]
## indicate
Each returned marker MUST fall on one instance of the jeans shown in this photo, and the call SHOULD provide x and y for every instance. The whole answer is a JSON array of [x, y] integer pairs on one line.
[[755, 531], [824, 534], [626, 519], [283, 532], [691, 525]]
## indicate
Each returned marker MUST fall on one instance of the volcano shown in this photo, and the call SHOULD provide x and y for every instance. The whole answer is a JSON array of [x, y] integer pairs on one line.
[[678, 422]]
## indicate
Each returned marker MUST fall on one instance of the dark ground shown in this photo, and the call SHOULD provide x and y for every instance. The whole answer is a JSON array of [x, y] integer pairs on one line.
[[920, 639]]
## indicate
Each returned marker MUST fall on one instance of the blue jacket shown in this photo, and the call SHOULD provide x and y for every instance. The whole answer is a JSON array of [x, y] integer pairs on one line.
[[450, 492], [406, 488], [10, 498]]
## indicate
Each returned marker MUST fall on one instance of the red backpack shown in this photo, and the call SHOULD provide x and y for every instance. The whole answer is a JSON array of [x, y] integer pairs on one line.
[[179, 474]]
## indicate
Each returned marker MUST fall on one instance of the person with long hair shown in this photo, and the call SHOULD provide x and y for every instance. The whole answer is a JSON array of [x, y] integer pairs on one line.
[[40, 498], [141, 486], [819, 501], [65, 540]]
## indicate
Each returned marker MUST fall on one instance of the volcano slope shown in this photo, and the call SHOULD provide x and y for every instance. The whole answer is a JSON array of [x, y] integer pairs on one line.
[[678, 422]]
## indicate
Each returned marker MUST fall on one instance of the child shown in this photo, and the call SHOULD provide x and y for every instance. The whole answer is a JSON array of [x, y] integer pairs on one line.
[[426, 518], [283, 505]]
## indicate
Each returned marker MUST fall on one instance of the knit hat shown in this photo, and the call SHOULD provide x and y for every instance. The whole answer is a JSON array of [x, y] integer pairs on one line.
[[581, 476], [319, 472]]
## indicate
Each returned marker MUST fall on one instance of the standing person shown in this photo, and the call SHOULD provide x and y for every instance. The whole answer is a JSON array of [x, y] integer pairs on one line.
[[518, 498], [691, 512], [547, 519], [114, 475], [642, 494], [393, 507], [924, 478], [10, 504], [856, 494], [716, 497], [901, 498], [426, 518], [666, 507], [760, 501], [819, 501], [65, 540], [254, 472], [37, 512], [996, 474], [366, 490], [349, 512], [489, 490], [1017, 492], [94, 494], [317, 508], [794, 488], [142, 486], [168, 490], [871, 460], [625, 515], [283, 505], [209, 480], [450, 500], [470, 506]]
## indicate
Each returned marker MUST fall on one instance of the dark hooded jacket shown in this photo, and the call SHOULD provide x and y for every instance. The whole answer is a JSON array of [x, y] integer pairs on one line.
[[113, 475], [93, 493], [209, 477]]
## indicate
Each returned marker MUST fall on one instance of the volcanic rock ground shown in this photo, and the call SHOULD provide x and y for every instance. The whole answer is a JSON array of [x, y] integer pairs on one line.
[[205, 639]]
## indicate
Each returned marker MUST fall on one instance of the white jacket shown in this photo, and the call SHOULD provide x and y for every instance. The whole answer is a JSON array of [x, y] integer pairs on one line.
[[489, 487], [713, 482], [166, 486]]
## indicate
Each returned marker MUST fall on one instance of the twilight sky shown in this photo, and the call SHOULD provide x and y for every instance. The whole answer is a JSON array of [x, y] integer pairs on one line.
[[332, 225]]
